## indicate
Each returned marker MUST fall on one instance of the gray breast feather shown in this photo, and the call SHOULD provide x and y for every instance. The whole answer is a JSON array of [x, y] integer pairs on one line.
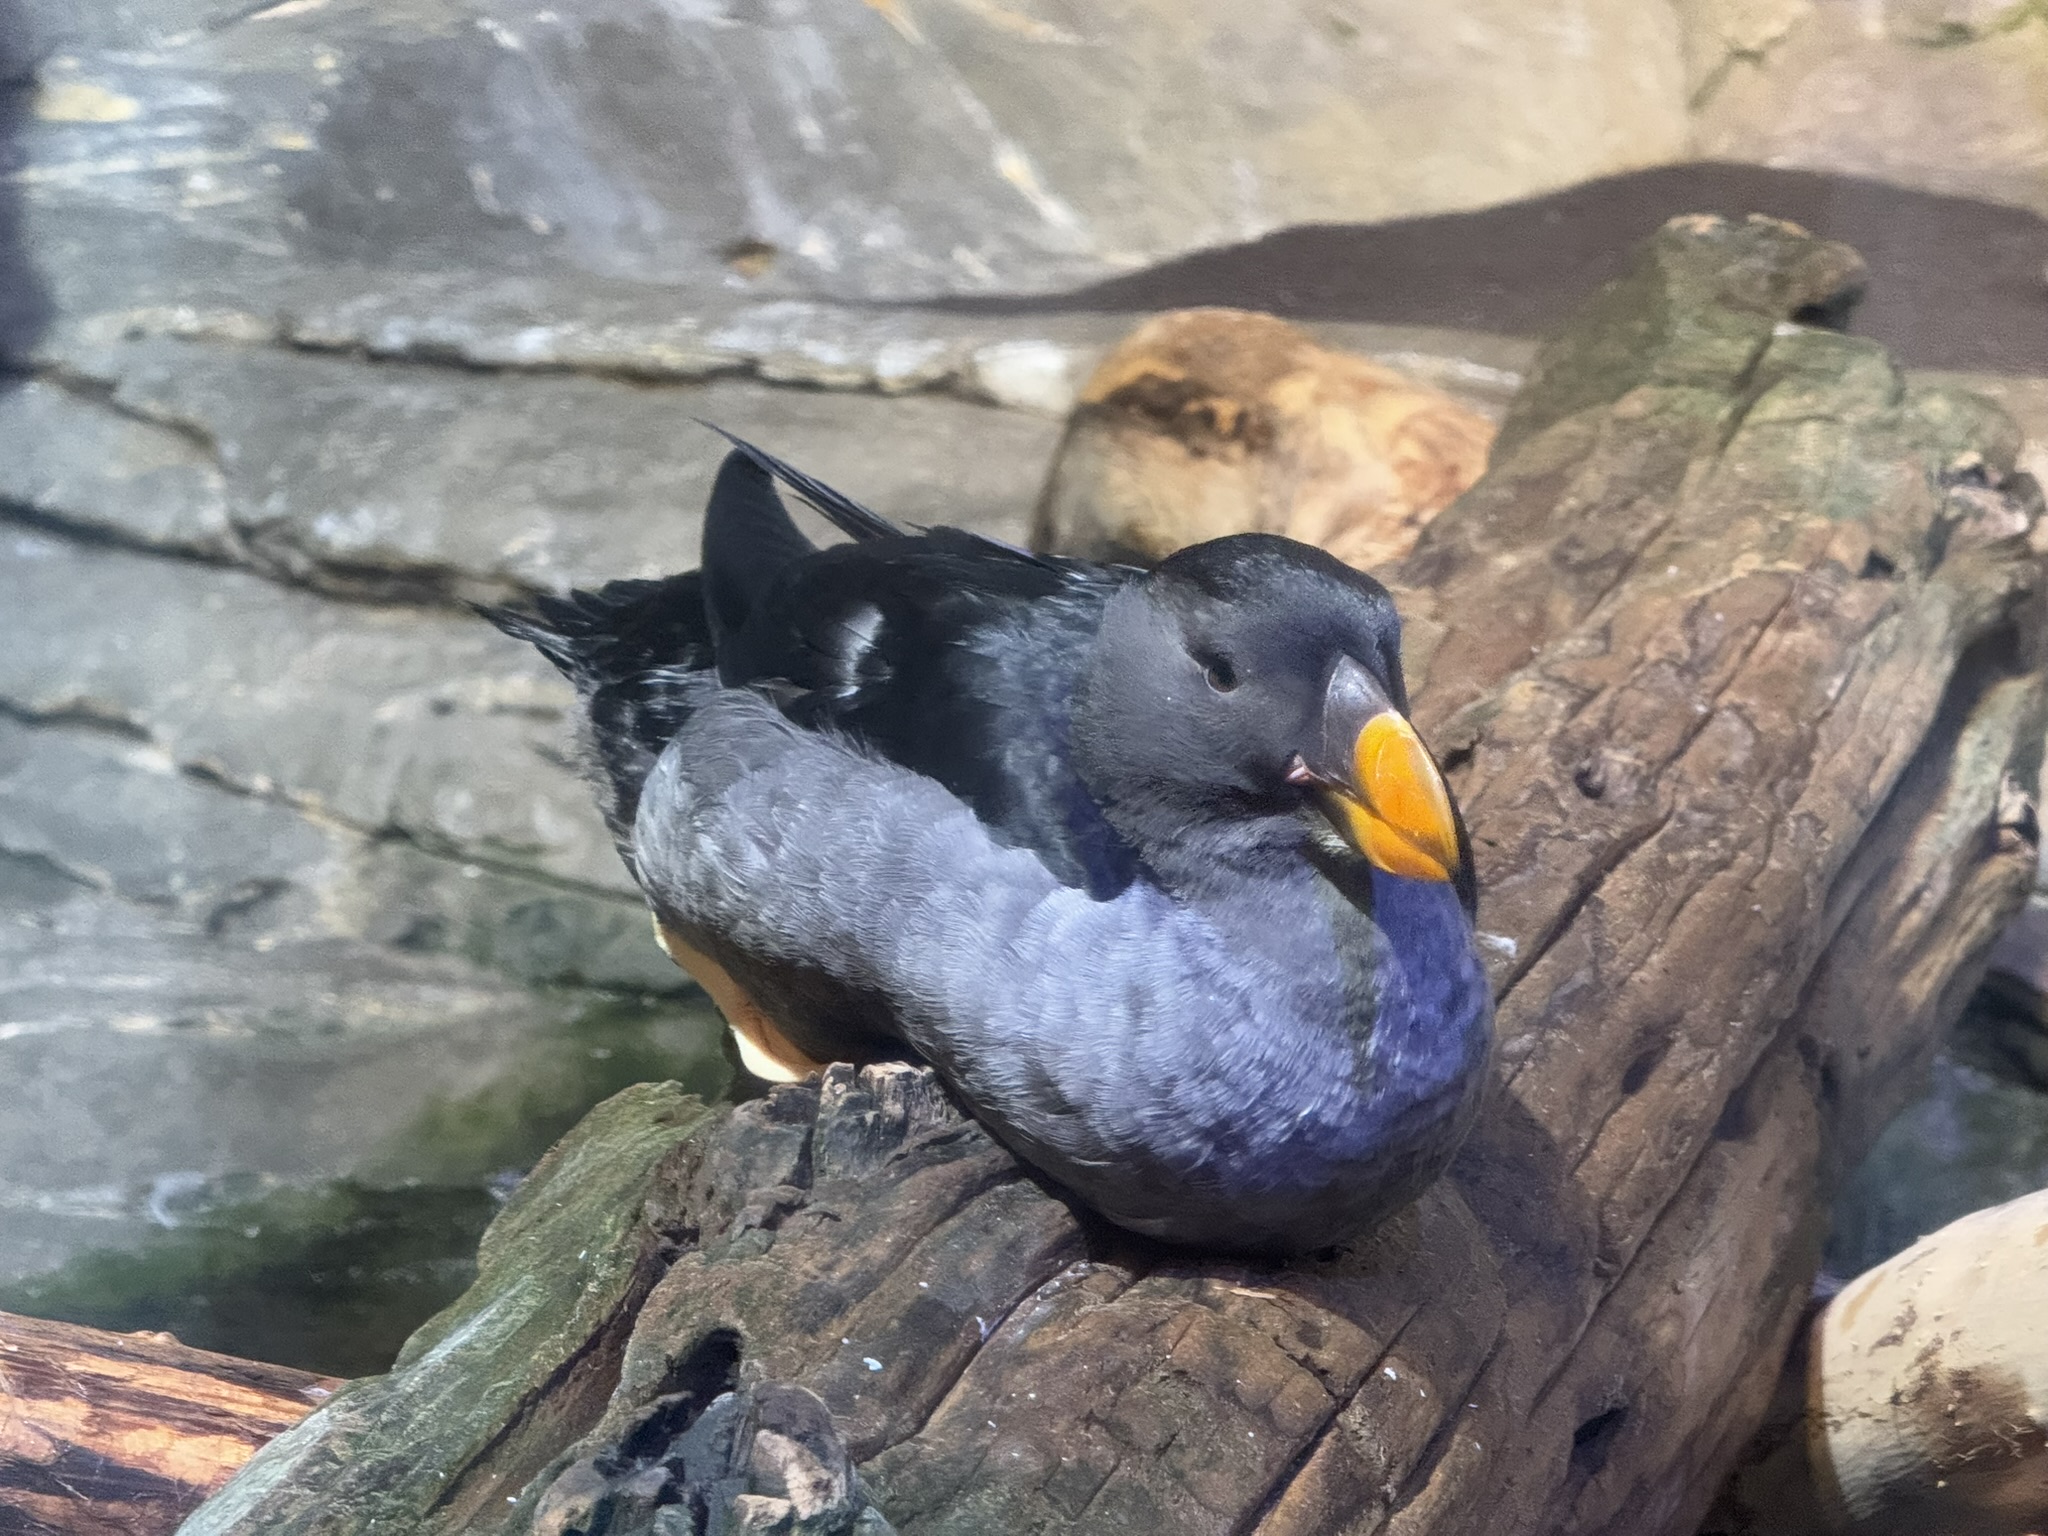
[[1080, 1029]]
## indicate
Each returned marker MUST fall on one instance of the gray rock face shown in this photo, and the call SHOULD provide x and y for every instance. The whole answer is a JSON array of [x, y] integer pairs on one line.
[[206, 991], [1934, 94], [810, 148], [425, 725], [419, 482]]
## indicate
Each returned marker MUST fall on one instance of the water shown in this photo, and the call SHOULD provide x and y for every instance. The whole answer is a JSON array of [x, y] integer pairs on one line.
[[332, 1274], [1977, 1137]]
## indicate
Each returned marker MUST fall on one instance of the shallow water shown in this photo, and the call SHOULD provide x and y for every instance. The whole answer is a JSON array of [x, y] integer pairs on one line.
[[331, 1274], [1977, 1137]]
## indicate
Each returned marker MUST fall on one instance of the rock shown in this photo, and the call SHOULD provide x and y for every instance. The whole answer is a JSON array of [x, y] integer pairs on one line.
[[391, 721], [70, 450], [420, 483], [1947, 97], [1919, 1398], [1209, 422], [112, 811], [635, 141]]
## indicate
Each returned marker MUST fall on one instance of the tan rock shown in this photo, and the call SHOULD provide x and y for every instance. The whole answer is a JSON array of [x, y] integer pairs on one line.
[[1929, 1386], [1940, 95], [1208, 422]]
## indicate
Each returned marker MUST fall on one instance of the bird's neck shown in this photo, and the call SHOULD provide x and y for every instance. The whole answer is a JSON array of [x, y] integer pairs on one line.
[[1385, 965], [1433, 1002], [1201, 862]]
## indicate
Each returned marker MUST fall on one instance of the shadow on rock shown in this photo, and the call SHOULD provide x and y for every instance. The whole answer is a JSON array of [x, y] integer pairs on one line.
[[1954, 282]]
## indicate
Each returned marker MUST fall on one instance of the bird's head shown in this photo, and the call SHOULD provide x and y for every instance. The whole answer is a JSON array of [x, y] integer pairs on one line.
[[1245, 698]]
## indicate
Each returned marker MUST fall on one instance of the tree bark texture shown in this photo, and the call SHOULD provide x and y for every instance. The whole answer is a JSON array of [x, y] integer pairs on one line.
[[123, 1434], [1735, 659]]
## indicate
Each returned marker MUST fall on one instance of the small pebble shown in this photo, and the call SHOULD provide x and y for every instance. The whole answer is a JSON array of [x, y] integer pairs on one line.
[[871, 1362]]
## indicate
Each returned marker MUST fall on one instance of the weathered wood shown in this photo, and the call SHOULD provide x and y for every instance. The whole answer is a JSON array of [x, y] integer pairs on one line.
[[1736, 655], [125, 1433], [485, 1393]]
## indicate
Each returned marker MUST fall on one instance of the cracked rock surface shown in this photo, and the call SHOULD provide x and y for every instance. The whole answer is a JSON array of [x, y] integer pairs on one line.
[[318, 320]]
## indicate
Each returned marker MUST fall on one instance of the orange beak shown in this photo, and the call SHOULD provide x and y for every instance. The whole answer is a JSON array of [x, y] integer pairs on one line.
[[1378, 785]]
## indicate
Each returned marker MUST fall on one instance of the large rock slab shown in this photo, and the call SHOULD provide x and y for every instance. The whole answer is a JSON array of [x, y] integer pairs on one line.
[[417, 482], [391, 720], [810, 149]]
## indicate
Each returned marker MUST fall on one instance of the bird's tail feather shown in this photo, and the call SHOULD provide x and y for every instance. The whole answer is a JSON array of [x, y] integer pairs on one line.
[[626, 647], [842, 511]]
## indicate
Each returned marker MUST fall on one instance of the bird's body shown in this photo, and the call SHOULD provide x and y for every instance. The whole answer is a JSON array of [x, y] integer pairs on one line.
[[1069, 832]]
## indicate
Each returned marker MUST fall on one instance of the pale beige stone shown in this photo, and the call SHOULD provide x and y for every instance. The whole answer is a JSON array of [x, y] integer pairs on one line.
[[1209, 422], [1929, 1387], [1935, 96]]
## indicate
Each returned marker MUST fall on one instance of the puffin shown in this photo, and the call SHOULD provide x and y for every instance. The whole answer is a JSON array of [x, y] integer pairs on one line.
[[1149, 865]]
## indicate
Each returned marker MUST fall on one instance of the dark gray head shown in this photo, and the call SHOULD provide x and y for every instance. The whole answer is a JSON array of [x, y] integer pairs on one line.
[[1246, 698]]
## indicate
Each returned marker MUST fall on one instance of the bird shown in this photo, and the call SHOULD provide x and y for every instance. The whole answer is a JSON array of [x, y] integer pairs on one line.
[[1149, 865]]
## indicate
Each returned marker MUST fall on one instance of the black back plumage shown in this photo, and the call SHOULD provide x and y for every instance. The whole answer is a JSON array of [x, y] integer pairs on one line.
[[950, 654]]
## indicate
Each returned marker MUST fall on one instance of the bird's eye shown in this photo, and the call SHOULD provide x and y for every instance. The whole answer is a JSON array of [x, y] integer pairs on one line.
[[1221, 675]]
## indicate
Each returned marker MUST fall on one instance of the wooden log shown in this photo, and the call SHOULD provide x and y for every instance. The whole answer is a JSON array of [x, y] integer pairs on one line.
[[1737, 659], [125, 1433]]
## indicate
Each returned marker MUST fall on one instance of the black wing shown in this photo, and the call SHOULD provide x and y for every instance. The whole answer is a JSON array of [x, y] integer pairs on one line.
[[955, 657], [844, 513], [952, 655]]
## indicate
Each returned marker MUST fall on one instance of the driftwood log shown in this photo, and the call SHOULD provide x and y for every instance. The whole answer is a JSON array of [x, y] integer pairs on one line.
[[1736, 659], [122, 1434]]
